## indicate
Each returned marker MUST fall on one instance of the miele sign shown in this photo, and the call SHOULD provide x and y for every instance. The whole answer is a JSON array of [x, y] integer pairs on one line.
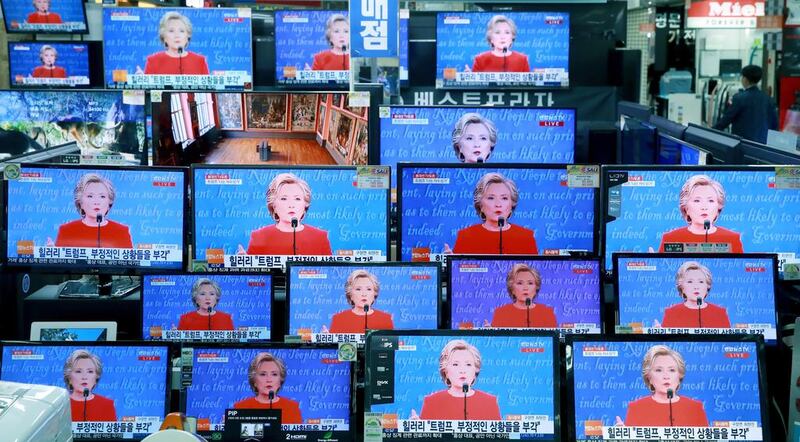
[[724, 14]]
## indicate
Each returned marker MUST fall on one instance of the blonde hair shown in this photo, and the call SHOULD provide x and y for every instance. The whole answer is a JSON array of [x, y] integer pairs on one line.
[[447, 353], [44, 49], [494, 21], [691, 265], [516, 270], [201, 282], [485, 182], [329, 25], [461, 126], [281, 180], [351, 280], [651, 355], [260, 358], [92, 178], [172, 15], [694, 182], [76, 356]]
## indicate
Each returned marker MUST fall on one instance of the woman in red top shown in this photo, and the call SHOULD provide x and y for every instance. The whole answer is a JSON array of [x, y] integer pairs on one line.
[[663, 370], [693, 281], [501, 32], [205, 297], [288, 200], [42, 14], [523, 284], [361, 290], [266, 376], [701, 202], [94, 196], [337, 33], [175, 32], [474, 138], [495, 198], [82, 372], [48, 69], [459, 367]]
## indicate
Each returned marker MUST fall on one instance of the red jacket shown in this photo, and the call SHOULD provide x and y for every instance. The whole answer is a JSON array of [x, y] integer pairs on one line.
[[349, 322], [98, 409], [196, 321], [646, 412], [510, 316], [444, 406], [77, 234], [55, 72], [290, 410], [328, 61], [680, 316], [476, 239], [722, 235], [50, 19], [162, 63], [488, 62], [271, 241]]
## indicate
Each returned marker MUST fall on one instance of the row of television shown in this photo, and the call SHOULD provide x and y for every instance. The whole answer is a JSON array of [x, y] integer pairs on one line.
[[474, 49], [258, 218], [425, 385]]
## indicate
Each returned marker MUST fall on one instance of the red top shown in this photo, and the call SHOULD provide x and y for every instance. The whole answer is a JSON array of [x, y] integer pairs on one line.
[[349, 322], [162, 63], [444, 406], [328, 61], [713, 316], [478, 240], [488, 62], [722, 235], [77, 234], [510, 316], [290, 410], [271, 241], [55, 72], [646, 412], [196, 321], [50, 18], [98, 409]]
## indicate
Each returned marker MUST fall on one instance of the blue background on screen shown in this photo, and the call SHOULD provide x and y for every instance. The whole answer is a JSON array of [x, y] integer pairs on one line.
[[52, 107], [70, 11], [322, 389], [138, 388], [727, 387], [767, 219], [24, 58], [412, 303], [354, 218], [296, 43], [553, 211], [575, 297], [243, 298]]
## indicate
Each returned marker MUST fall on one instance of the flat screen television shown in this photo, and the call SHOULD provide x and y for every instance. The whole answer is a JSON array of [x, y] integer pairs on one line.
[[210, 48], [24, 17], [723, 146], [243, 215], [674, 151], [654, 388], [116, 390], [308, 128], [312, 389], [545, 210], [493, 292], [103, 219], [312, 48], [425, 385], [667, 209], [637, 141], [73, 331], [506, 49], [48, 64], [756, 153], [339, 302], [634, 110], [104, 127], [199, 307]]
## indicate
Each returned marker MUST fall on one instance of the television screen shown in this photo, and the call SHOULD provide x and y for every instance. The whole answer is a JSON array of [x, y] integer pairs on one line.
[[486, 49], [48, 64], [246, 218], [79, 331], [24, 17], [674, 151], [660, 293], [182, 48], [633, 388], [525, 292], [311, 48], [259, 128], [129, 403], [196, 307], [723, 146], [426, 385], [637, 143], [337, 303], [101, 126], [457, 209], [311, 387], [471, 135], [107, 219], [684, 209], [404, 47]]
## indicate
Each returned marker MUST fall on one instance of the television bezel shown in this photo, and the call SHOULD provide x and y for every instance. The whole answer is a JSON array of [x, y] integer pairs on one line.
[[724, 147]]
